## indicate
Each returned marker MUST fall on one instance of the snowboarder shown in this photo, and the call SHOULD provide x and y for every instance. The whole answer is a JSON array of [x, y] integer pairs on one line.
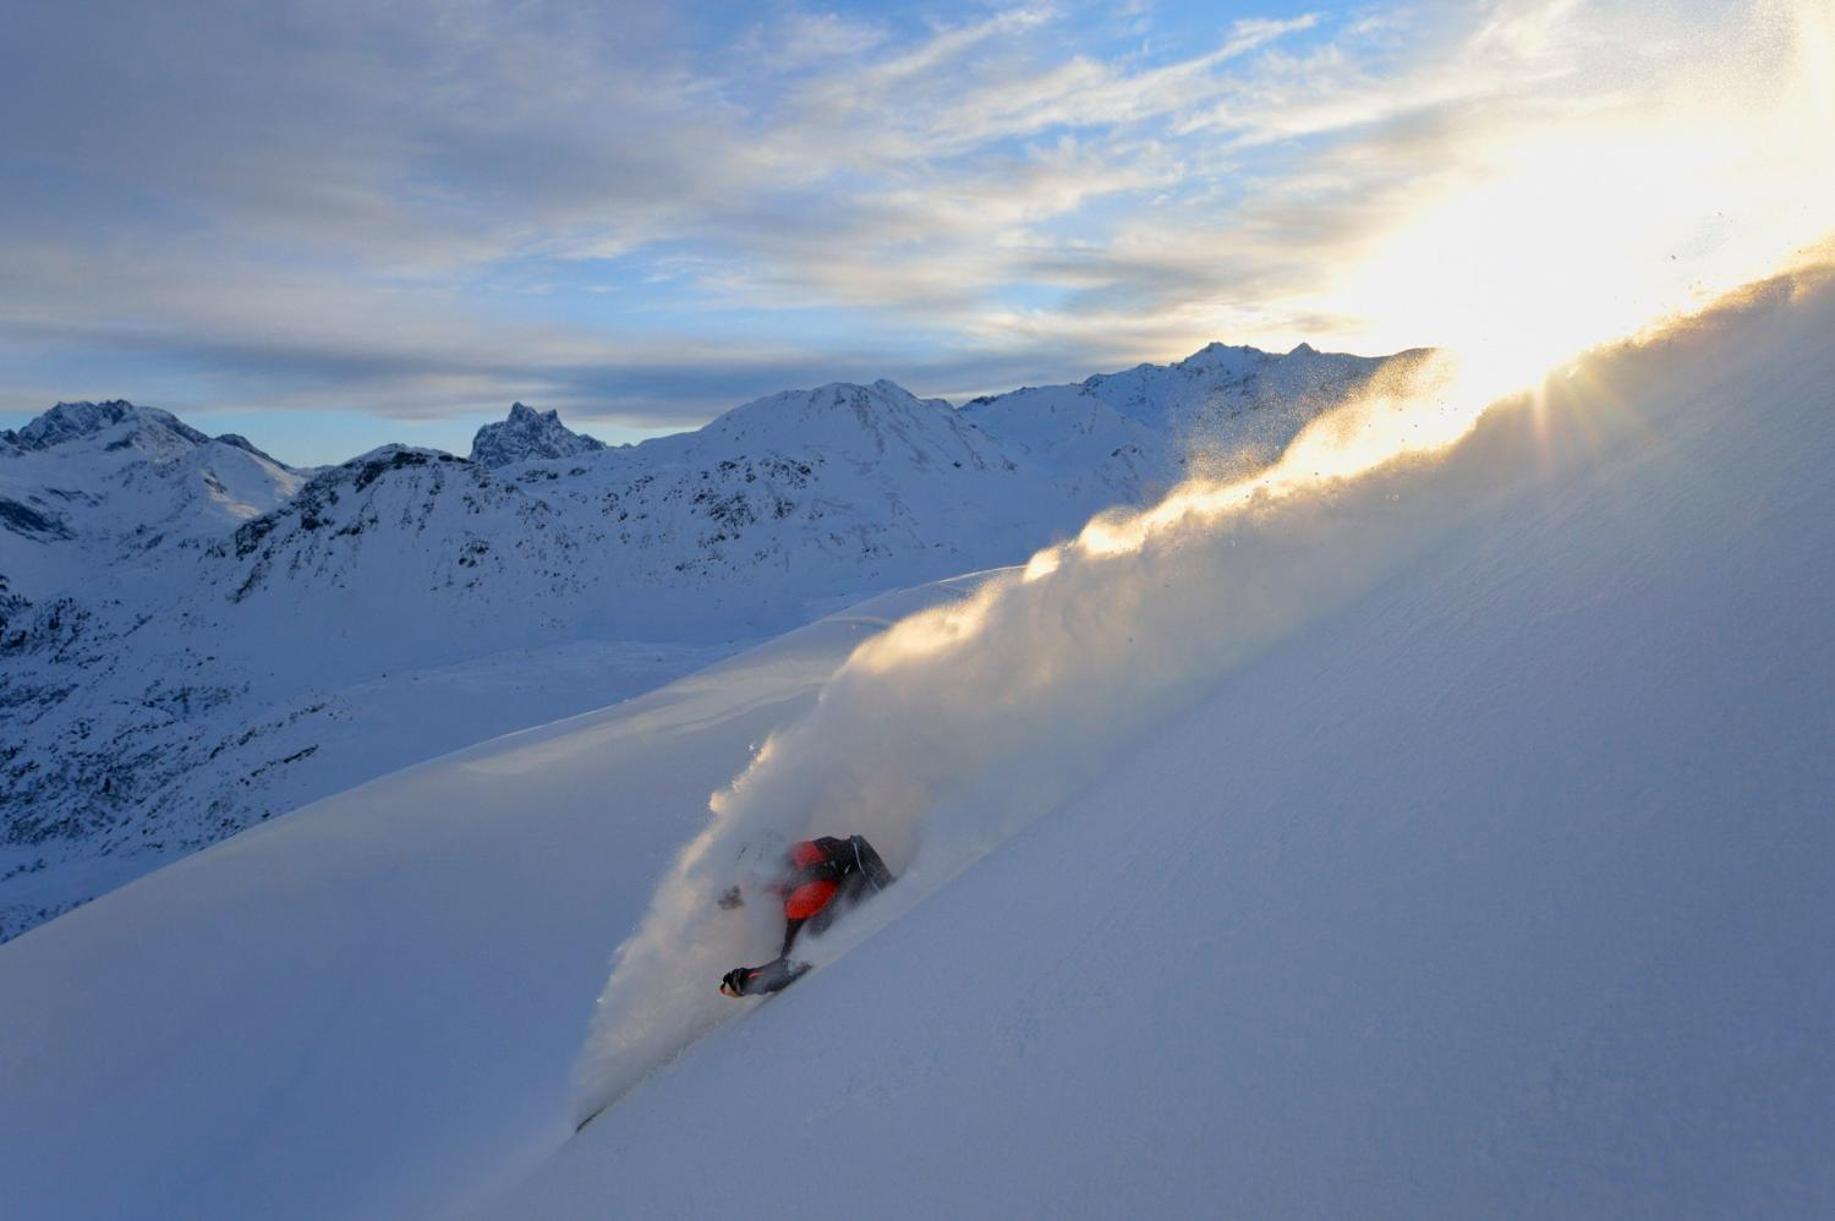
[[823, 877]]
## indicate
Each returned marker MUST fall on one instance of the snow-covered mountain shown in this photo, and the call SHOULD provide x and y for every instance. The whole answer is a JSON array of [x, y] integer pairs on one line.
[[87, 486], [1447, 841], [1232, 409], [795, 500], [197, 638]]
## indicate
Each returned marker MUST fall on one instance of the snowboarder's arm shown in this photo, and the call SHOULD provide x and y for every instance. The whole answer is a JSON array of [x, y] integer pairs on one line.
[[868, 862]]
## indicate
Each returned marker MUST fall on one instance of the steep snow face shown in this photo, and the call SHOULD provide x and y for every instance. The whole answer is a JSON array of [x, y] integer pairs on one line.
[[529, 434], [1399, 819]]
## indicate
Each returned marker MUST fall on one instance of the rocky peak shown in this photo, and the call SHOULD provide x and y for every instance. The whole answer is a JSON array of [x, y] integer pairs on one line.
[[526, 434]]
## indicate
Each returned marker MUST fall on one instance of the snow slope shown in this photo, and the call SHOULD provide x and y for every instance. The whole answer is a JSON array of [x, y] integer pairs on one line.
[[1487, 891], [1445, 842]]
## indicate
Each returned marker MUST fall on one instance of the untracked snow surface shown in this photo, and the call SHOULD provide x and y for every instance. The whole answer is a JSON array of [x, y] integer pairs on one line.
[[1452, 841]]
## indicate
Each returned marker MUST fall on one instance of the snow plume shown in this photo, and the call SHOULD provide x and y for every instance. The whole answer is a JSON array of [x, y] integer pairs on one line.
[[949, 732], [952, 730]]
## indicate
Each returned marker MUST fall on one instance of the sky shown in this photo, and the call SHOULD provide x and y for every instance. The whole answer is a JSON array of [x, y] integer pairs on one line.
[[330, 224]]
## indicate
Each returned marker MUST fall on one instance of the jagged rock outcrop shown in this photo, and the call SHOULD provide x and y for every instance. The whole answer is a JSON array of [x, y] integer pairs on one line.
[[526, 434]]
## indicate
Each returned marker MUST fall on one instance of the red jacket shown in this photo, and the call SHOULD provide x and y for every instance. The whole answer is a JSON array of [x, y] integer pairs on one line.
[[825, 869]]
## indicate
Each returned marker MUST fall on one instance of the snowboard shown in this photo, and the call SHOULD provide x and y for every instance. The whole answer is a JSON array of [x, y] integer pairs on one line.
[[794, 971]]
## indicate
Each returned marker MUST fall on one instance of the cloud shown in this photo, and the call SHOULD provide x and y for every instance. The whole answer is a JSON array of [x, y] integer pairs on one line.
[[429, 207], [800, 39], [244, 186]]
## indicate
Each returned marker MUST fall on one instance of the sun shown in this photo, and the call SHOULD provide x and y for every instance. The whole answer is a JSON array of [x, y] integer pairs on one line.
[[1570, 231], [1552, 240]]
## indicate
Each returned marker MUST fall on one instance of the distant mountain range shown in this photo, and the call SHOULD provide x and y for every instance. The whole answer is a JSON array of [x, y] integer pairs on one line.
[[195, 637]]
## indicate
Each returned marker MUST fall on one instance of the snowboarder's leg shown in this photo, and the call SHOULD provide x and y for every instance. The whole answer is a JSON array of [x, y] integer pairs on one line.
[[791, 928]]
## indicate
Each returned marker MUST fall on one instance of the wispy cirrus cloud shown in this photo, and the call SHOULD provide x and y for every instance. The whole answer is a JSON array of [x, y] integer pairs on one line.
[[649, 213]]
